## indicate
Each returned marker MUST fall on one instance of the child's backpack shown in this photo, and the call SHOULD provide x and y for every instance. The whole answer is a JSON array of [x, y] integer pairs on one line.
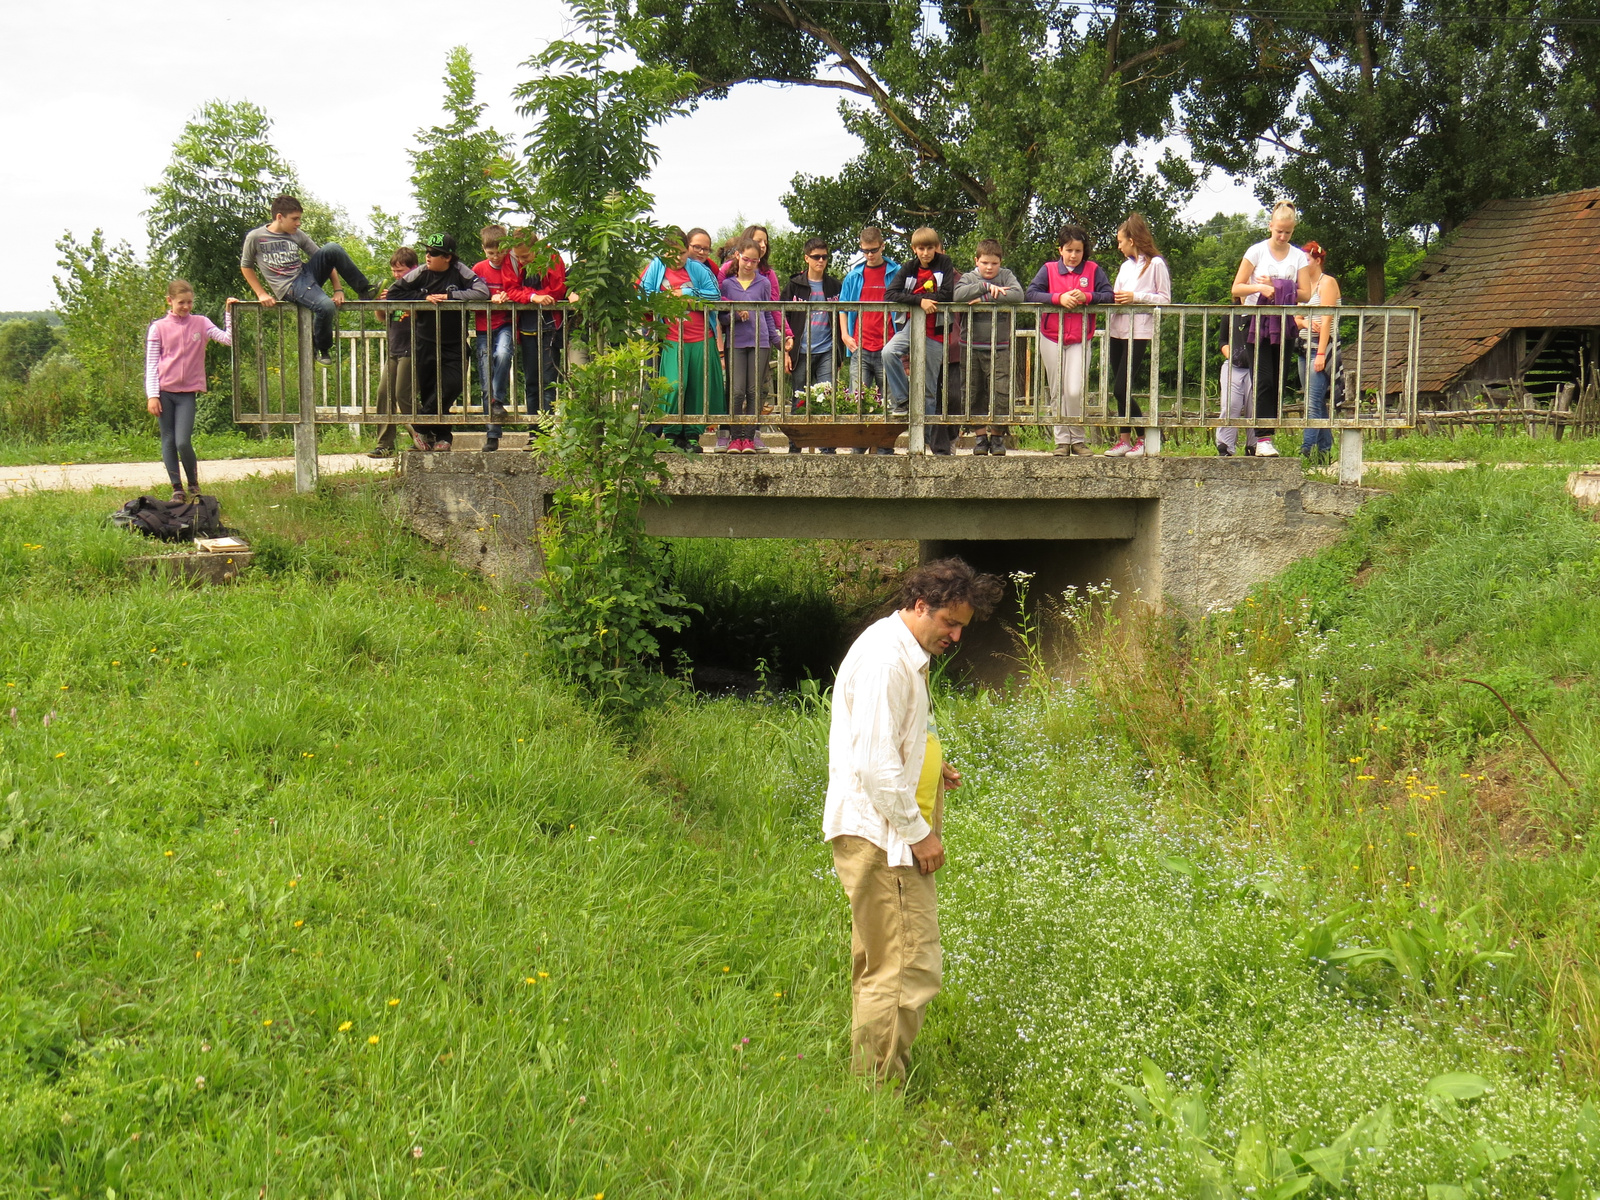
[[171, 520]]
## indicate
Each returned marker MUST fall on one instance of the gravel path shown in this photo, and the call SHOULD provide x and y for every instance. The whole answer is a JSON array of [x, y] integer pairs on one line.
[[151, 477]]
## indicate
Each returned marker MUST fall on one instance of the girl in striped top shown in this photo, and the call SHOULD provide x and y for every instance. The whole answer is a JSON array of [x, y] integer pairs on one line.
[[175, 375]]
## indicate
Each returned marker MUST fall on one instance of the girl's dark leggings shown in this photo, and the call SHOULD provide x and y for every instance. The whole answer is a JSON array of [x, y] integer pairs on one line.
[[177, 432], [1128, 358]]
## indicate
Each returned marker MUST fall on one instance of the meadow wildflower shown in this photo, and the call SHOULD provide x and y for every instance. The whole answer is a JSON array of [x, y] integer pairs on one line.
[[345, 1026], [373, 1040], [393, 1001]]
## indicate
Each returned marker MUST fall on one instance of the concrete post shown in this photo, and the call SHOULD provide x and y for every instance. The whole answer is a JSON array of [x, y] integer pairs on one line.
[[1350, 457], [305, 431], [1152, 441], [916, 413]]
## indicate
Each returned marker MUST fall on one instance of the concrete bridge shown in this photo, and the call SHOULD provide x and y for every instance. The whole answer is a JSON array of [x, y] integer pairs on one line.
[[1192, 533]]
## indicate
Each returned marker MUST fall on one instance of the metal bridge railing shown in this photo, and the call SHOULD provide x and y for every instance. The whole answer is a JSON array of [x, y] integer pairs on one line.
[[1029, 365]]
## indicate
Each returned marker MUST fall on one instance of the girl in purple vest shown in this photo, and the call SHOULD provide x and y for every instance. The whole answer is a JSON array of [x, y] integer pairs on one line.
[[1070, 283], [175, 375]]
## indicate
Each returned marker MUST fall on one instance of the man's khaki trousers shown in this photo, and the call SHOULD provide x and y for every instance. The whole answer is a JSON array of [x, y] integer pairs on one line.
[[895, 956]]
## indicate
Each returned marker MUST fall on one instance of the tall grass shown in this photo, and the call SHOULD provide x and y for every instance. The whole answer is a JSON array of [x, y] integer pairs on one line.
[[1330, 714], [316, 885]]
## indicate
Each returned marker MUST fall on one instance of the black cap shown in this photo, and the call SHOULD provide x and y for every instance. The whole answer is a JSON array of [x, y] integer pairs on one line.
[[441, 243]]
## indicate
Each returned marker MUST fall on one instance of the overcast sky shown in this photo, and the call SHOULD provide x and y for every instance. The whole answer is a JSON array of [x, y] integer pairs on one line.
[[92, 105]]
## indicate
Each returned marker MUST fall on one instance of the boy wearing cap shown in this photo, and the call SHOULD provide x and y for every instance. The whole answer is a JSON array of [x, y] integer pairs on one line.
[[437, 336], [276, 248]]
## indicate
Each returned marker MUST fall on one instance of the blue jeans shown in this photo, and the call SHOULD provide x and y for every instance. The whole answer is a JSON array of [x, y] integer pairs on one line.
[[900, 379], [1317, 388], [813, 368], [867, 371], [306, 291], [495, 381]]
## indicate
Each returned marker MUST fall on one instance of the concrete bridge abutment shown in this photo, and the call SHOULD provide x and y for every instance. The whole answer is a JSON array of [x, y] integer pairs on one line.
[[1190, 534]]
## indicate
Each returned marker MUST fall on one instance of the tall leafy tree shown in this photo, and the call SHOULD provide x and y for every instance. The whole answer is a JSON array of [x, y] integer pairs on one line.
[[991, 117], [218, 185], [457, 167], [583, 173], [1402, 117]]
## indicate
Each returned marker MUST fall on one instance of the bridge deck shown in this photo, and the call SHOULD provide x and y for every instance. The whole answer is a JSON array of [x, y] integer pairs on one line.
[[1198, 531]]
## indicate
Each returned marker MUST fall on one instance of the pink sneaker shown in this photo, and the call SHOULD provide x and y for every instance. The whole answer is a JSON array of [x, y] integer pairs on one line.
[[1136, 450], [1120, 450]]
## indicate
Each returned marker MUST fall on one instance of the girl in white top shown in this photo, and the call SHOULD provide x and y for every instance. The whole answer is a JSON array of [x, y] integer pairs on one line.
[[1275, 258], [1142, 279]]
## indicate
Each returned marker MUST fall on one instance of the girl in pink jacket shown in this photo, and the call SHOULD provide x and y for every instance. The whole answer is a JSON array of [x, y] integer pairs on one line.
[[175, 375]]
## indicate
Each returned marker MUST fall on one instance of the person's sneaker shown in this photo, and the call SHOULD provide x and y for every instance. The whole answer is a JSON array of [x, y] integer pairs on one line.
[[757, 446], [723, 447], [178, 497], [723, 440], [1062, 451], [442, 447], [1136, 450], [1120, 450], [1223, 451], [498, 412], [1082, 449], [324, 359], [1265, 449], [1250, 450], [997, 445], [421, 442], [490, 445], [380, 452], [981, 446]]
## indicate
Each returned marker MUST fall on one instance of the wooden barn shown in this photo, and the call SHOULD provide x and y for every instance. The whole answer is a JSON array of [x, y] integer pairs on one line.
[[1511, 314]]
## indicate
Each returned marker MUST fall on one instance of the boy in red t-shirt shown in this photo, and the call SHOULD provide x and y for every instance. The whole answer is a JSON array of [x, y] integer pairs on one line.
[[864, 333], [492, 343]]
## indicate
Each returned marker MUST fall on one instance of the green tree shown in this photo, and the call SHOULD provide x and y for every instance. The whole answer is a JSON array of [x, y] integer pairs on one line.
[[457, 167], [218, 185], [107, 298], [585, 163], [1402, 118], [24, 344], [981, 117]]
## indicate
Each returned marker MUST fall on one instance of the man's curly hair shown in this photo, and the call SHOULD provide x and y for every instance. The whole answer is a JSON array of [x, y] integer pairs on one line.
[[948, 581]]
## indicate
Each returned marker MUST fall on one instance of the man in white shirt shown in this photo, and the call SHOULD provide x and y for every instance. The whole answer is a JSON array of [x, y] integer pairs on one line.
[[886, 783]]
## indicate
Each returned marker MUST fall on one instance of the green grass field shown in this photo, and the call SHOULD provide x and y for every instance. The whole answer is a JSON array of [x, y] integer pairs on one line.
[[317, 886]]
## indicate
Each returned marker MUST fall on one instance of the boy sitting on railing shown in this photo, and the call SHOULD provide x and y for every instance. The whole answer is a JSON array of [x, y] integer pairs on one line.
[[276, 247], [986, 343]]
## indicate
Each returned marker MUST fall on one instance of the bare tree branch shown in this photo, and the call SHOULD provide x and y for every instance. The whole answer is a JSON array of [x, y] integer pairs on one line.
[[709, 85]]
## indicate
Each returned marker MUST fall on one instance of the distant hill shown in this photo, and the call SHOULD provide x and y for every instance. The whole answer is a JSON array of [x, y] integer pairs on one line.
[[49, 318]]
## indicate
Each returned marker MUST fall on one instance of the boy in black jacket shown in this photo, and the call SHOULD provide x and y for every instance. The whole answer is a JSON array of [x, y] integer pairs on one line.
[[927, 282], [814, 332], [437, 339]]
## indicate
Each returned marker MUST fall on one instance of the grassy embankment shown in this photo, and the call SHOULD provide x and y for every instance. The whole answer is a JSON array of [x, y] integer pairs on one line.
[[316, 885]]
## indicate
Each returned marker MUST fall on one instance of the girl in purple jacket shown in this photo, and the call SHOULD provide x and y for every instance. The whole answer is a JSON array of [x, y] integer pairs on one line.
[[755, 333]]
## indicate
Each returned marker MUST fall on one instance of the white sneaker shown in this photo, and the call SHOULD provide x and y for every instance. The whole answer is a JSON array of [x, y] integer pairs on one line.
[[1120, 449], [1136, 450], [1264, 449]]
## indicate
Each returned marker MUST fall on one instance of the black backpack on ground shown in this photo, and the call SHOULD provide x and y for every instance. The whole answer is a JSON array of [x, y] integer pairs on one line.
[[171, 520]]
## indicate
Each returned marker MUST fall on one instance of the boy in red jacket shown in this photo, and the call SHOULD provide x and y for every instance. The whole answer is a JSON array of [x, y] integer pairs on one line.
[[493, 341], [540, 337]]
